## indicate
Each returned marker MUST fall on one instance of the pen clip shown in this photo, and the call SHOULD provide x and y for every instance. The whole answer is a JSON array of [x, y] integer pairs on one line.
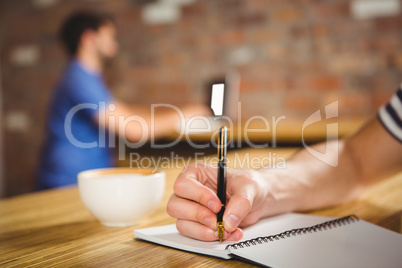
[[222, 143]]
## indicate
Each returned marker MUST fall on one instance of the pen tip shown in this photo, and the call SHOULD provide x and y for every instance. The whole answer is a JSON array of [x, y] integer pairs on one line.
[[220, 231]]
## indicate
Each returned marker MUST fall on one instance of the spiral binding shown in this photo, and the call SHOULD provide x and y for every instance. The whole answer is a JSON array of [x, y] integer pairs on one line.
[[295, 232]]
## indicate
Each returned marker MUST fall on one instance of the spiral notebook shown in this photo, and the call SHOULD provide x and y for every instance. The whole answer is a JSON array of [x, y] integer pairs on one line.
[[296, 240]]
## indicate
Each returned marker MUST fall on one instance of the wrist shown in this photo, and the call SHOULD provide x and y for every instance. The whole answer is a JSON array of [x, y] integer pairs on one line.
[[281, 195]]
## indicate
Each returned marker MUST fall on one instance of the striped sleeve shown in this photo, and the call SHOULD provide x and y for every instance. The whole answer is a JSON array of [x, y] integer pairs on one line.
[[390, 115]]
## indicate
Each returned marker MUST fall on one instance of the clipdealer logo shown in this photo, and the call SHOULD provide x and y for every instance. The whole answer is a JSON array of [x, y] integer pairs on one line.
[[330, 111]]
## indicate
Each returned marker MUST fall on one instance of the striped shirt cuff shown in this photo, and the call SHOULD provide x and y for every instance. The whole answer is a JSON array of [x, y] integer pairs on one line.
[[390, 115]]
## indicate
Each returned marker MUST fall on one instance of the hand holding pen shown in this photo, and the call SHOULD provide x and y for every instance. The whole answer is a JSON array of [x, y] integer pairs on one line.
[[201, 192], [195, 203]]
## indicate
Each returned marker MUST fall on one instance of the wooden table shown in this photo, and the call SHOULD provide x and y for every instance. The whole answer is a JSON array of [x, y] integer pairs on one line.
[[53, 228]]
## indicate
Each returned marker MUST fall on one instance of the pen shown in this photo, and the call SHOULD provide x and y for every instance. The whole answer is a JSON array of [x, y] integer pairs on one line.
[[221, 191]]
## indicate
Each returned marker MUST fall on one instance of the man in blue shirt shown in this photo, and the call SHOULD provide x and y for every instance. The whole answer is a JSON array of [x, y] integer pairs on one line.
[[83, 112]]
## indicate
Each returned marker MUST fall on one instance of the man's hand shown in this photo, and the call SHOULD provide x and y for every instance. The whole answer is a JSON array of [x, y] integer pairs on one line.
[[195, 203], [369, 156]]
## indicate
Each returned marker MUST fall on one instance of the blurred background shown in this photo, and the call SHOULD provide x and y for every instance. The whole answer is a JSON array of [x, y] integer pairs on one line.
[[293, 56]]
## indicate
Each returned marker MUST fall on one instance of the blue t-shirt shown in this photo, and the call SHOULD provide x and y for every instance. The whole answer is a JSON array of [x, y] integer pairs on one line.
[[74, 142]]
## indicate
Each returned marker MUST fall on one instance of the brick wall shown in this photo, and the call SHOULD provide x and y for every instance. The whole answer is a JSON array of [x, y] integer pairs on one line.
[[294, 56]]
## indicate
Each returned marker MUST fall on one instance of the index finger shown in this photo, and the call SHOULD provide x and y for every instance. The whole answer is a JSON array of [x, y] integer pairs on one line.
[[196, 184]]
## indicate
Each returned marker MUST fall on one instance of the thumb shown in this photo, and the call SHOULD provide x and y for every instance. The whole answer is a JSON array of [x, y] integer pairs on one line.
[[239, 205]]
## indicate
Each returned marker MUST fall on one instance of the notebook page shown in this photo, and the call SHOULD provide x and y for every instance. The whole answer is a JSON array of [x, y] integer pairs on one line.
[[357, 244], [169, 236]]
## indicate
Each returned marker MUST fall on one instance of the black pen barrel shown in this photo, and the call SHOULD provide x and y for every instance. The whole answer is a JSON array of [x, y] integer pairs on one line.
[[221, 191], [221, 188]]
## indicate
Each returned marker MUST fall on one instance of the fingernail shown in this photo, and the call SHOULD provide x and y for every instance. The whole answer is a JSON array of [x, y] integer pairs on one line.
[[232, 221], [212, 206], [207, 222], [225, 235], [235, 236]]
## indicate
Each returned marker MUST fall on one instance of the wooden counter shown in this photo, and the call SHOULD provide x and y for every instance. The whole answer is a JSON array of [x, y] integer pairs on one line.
[[53, 228]]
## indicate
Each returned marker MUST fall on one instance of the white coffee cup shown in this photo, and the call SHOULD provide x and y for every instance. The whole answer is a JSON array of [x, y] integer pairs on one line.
[[121, 196]]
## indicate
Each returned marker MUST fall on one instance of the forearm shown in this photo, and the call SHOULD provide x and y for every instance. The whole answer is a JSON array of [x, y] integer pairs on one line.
[[139, 124], [164, 123], [308, 183]]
